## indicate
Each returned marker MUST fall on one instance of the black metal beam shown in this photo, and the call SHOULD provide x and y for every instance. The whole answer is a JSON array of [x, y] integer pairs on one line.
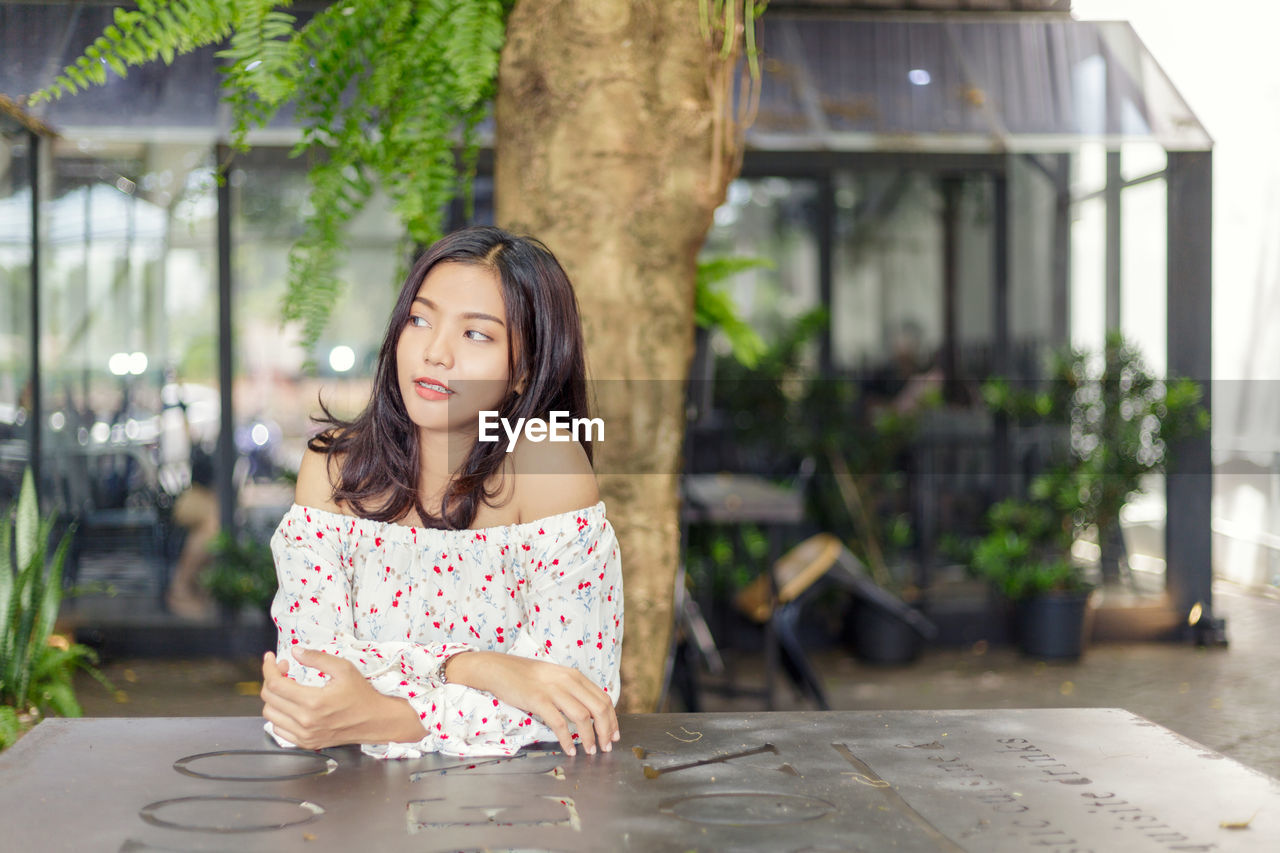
[[1061, 261], [1113, 244], [793, 164], [1001, 365], [1189, 481], [951, 187], [34, 447], [826, 261], [224, 476]]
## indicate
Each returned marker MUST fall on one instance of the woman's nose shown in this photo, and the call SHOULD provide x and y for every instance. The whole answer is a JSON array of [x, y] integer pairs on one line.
[[437, 351]]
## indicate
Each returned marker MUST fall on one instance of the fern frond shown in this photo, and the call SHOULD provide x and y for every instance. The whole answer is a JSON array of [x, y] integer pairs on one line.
[[334, 40], [263, 64], [339, 189], [474, 37], [157, 29]]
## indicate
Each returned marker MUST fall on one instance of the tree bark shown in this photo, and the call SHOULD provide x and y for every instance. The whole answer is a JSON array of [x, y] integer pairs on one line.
[[604, 152]]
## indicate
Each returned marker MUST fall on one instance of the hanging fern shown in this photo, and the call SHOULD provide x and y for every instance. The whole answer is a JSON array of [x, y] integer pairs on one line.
[[155, 30], [405, 122]]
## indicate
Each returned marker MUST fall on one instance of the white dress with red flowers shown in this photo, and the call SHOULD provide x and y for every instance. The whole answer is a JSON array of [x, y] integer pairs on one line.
[[397, 601]]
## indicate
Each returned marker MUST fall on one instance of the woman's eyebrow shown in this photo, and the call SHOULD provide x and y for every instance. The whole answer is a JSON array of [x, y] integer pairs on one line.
[[468, 315]]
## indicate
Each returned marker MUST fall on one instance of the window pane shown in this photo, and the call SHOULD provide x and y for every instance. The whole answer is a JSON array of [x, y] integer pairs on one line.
[[1088, 273], [1143, 292], [128, 320], [774, 219], [887, 289], [274, 398]]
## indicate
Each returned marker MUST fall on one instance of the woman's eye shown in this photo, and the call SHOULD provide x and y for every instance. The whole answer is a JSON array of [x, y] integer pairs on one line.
[[477, 336], [415, 320]]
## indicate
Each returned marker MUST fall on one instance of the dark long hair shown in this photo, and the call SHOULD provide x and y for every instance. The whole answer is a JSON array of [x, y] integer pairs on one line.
[[379, 452]]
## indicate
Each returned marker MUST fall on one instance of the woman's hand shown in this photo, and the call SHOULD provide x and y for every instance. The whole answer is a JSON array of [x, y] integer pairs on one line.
[[345, 710], [553, 692]]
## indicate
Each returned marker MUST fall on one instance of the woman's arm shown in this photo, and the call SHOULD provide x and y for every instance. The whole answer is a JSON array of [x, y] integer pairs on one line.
[[346, 710], [564, 663], [314, 616]]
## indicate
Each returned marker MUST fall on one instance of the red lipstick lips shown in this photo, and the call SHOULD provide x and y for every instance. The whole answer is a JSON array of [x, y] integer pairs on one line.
[[431, 389]]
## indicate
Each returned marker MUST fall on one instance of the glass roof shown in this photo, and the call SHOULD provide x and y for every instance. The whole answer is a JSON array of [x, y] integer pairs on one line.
[[832, 81], [1017, 83]]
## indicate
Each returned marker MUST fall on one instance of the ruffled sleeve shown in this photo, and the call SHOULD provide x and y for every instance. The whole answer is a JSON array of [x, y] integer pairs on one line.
[[312, 609]]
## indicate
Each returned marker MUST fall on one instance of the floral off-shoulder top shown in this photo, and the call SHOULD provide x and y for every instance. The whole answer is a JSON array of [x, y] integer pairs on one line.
[[398, 601]]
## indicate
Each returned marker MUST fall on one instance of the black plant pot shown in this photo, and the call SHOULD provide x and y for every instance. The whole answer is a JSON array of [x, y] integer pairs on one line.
[[881, 638], [1052, 625]]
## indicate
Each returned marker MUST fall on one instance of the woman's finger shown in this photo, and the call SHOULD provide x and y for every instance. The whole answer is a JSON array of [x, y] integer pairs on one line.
[[283, 725], [323, 662], [555, 721], [270, 668], [606, 725], [276, 698], [300, 694], [603, 717], [580, 716]]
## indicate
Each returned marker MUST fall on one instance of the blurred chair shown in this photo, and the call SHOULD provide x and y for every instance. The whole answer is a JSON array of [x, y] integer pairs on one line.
[[122, 516], [776, 599]]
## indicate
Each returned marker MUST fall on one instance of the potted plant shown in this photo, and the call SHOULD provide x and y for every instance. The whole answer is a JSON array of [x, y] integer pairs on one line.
[[242, 575], [36, 665], [1026, 558], [1118, 421]]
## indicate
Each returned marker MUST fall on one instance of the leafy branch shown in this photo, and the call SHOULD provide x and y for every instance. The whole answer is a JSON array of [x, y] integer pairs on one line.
[[714, 308]]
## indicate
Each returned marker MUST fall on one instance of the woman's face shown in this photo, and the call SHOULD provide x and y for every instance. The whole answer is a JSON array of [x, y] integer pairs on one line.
[[451, 358]]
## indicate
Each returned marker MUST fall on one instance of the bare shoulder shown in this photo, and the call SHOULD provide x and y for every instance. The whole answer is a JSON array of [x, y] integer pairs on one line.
[[551, 477], [316, 475]]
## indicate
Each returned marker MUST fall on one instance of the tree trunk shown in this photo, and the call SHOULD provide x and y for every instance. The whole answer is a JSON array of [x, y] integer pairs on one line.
[[604, 152]]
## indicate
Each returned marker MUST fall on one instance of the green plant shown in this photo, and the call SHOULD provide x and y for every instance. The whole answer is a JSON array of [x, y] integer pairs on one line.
[[36, 666], [243, 573], [1025, 553], [407, 121], [714, 309], [1119, 421]]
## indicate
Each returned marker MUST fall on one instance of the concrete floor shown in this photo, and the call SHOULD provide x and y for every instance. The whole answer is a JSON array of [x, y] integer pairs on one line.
[[1227, 699]]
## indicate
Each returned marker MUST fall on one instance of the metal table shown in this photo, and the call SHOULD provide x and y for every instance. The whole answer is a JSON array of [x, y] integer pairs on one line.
[[738, 498], [1013, 780]]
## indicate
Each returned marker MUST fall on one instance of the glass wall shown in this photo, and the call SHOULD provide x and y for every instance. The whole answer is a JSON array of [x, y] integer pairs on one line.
[[127, 337], [1088, 247], [1144, 252], [974, 321], [886, 297], [274, 398], [1033, 200]]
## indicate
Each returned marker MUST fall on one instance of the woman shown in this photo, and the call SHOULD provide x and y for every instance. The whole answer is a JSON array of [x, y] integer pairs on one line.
[[438, 593]]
